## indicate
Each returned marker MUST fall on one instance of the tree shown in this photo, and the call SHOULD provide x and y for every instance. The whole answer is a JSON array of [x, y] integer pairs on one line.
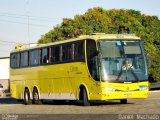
[[112, 22]]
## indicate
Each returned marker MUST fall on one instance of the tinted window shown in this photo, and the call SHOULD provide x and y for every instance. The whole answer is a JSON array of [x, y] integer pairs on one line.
[[67, 52], [56, 54], [79, 50], [24, 59], [91, 49], [45, 56], [34, 57], [15, 60]]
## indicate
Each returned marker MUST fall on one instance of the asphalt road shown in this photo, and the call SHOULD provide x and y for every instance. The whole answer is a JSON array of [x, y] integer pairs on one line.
[[150, 105]]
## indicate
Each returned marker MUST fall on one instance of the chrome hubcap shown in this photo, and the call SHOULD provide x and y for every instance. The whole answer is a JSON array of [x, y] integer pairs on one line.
[[35, 96]]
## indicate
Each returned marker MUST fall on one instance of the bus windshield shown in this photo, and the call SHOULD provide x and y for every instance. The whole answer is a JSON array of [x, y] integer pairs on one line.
[[122, 61]]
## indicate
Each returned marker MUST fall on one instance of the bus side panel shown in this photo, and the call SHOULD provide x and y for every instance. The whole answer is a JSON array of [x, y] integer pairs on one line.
[[79, 75], [57, 81], [54, 82], [13, 89]]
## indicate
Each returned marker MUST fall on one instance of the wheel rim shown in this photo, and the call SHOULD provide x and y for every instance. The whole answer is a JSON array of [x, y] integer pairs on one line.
[[26, 97], [35, 96]]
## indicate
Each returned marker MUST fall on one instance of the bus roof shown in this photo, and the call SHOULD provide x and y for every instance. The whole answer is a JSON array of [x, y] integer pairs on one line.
[[95, 36]]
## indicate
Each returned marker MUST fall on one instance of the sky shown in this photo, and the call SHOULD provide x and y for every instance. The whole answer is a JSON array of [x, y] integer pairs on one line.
[[24, 21]]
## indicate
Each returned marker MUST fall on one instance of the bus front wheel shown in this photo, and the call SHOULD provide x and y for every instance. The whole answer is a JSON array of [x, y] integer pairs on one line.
[[36, 99], [27, 99], [85, 98]]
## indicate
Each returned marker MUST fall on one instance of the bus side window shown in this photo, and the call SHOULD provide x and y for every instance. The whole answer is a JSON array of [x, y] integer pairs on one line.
[[15, 59], [34, 57], [56, 54], [67, 52], [45, 56], [24, 59], [78, 51]]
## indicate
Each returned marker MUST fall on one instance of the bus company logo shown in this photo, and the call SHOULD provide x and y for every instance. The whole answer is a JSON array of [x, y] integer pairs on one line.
[[73, 69], [127, 88]]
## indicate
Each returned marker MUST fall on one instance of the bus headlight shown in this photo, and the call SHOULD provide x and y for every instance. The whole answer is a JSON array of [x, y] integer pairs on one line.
[[109, 89], [143, 87]]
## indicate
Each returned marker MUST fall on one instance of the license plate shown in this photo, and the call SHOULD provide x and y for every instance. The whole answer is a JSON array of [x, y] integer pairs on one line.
[[127, 95]]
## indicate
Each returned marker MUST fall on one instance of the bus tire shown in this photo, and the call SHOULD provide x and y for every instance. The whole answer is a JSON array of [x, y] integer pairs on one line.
[[85, 98], [27, 100], [123, 101], [36, 99]]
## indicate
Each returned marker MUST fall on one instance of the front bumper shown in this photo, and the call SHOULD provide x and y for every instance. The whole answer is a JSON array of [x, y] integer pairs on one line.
[[124, 95]]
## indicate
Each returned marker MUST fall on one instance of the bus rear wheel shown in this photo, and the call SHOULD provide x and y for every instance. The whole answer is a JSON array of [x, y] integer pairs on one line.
[[85, 98], [27, 99], [36, 99]]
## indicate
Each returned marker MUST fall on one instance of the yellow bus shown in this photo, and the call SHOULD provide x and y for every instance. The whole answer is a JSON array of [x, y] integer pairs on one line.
[[91, 67]]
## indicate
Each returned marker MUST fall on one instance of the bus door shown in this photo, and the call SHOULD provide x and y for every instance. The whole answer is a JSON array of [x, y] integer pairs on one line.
[[93, 68]]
